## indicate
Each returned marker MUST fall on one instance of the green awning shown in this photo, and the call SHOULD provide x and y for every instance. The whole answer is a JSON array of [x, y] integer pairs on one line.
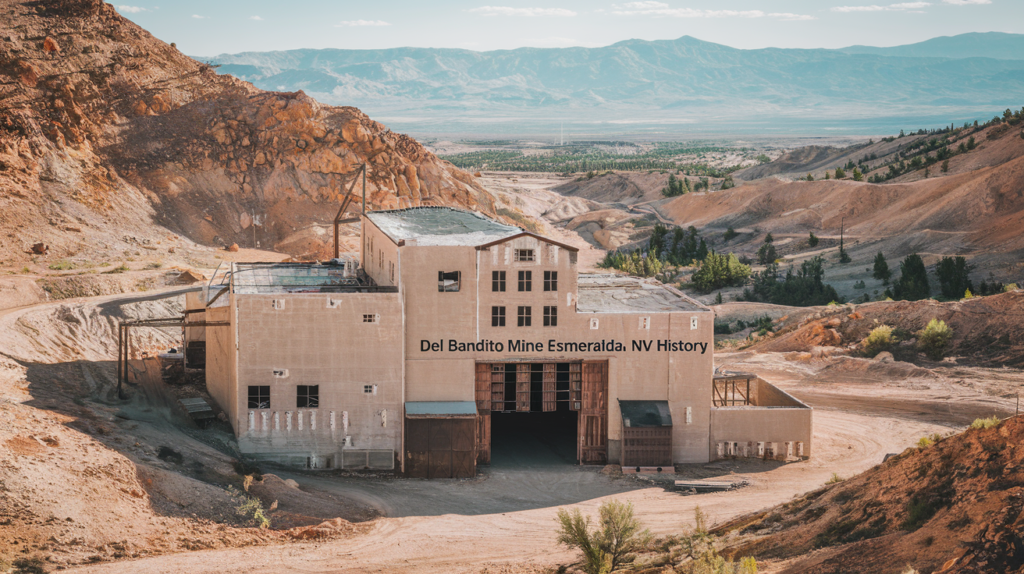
[[440, 408], [637, 414]]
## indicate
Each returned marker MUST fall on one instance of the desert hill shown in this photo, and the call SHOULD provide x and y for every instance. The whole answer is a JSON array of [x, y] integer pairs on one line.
[[111, 139], [907, 511], [998, 45]]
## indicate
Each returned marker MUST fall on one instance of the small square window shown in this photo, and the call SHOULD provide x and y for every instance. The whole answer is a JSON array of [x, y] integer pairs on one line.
[[307, 396], [259, 396], [497, 316], [370, 318], [645, 322], [498, 281], [550, 316], [370, 389], [551, 280], [525, 320], [448, 282], [277, 304], [594, 323], [524, 255], [526, 280]]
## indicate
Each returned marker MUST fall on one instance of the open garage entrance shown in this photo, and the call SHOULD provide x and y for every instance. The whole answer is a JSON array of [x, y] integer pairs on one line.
[[542, 413]]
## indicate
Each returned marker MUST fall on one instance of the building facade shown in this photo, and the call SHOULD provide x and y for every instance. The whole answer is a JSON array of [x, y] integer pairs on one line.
[[451, 318]]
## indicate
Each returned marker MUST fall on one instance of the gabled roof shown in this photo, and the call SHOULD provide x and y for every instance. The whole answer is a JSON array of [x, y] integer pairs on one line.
[[527, 233]]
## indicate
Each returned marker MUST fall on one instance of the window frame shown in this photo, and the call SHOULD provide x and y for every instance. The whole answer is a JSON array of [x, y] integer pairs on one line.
[[443, 276], [260, 390], [551, 315], [524, 316], [524, 255], [310, 399], [497, 316], [498, 281], [526, 279], [551, 281]]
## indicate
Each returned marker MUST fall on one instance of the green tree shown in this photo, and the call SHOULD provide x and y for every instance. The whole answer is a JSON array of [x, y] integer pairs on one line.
[[881, 271], [813, 240], [827, 175], [913, 282], [810, 177], [619, 535], [766, 253], [954, 276], [768, 238], [800, 289], [840, 173], [971, 144], [945, 166], [857, 175], [717, 271], [730, 233]]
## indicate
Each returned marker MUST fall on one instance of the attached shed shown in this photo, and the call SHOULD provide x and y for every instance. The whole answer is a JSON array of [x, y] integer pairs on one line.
[[440, 439], [646, 433]]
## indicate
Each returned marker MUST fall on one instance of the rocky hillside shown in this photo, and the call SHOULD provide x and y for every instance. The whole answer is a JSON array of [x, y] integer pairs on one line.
[[954, 506], [110, 138]]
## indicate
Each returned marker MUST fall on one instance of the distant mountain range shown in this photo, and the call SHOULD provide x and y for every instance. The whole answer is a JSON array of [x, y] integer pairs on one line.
[[687, 81]]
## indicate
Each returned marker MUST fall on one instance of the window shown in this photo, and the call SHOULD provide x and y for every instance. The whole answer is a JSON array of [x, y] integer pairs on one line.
[[370, 389], [370, 318], [448, 282], [497, 316], [498, 281], [524, 255], [645, 322], [307, 396], [277, 304], [551, 280], [526, 280], [524, 317], [550, 316], [391, 271], [594, 323], [380, 258], [259, 397]]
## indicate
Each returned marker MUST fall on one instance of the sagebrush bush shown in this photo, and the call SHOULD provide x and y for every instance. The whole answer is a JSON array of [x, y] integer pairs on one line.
[[879, 339], [619, 535], [934, 339], [988, 423]]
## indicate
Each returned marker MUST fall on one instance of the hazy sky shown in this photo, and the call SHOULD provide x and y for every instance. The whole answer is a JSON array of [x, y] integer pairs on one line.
[[211, 27]]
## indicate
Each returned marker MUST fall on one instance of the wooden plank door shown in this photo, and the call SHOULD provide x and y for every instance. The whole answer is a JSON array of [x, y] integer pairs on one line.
[[550, 379], [483, 438], [498, 387], [483, 387], [523, 372], [593, 417], [439, 458]]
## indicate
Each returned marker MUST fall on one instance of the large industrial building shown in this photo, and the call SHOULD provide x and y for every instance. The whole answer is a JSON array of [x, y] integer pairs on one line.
[[450, 329]]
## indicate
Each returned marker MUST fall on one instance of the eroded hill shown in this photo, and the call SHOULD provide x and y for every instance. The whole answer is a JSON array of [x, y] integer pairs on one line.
[[110, 138]]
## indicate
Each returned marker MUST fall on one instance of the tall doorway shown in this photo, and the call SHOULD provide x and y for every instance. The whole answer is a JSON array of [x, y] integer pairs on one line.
[[557, 411]]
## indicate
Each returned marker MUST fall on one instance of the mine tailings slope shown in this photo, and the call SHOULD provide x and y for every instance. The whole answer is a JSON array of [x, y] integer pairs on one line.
[[953, 507], [978, 212], [106, 130], [986, 330]]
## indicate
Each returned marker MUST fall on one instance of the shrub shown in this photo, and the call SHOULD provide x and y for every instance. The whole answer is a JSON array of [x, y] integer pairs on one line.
[[698, 545], [722, 329], [1010, 287], [62, 265], [154, 265], [880, 339], [924, 442], [988, 423], [617, 537], [718, 298], [934, 338], [835, 479], [813, 240], [119, 269], [860, 285], [30, 565], [250, 507], [730, 233]]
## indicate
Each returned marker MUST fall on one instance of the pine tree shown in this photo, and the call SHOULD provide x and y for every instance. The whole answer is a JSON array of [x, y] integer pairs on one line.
[[828, 175], [913, 282], [857, 175], [840, 173], [945, 166], [881, 271], [812, 240]]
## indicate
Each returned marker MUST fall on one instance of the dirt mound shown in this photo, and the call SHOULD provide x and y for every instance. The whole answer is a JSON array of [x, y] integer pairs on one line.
[[985, 329], [626, 188], [952, 507], [108, 133]]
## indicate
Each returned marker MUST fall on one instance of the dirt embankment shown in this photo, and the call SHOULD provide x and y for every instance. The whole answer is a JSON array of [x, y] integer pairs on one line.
[[110, 137], [986, 330], [909, 510]]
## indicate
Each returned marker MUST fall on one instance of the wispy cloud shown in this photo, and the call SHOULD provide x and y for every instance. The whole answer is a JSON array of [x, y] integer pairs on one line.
[[198, 17], [655, 8], [967, 2], [131, 9], [530, 12], [346, 23], [901, 7], [255, 18]]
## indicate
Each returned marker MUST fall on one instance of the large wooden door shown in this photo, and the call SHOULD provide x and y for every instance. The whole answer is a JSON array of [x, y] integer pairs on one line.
[[593, 418], [440, 447]]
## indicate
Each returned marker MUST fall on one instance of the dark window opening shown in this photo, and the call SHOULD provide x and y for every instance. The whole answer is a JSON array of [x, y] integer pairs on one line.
[[497, 316], [526, 280], [307, 396], [550, 316], [551, 280], [448, 281], [259, 397], [524, 317], [524, 254], [498, 281]]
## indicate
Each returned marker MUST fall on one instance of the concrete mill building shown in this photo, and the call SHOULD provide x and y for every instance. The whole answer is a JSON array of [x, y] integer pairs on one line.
[[452, 333]]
